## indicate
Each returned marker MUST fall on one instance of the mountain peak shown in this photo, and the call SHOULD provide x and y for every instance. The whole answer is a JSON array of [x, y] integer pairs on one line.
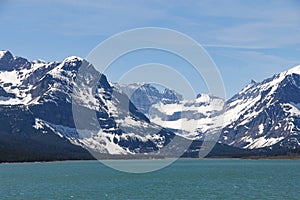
[[6, 58], [71, 63], [294, 70], [39, 61], [4, 54], [72, 59]]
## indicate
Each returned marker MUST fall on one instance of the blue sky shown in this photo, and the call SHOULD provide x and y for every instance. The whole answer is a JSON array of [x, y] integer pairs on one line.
[[246, 39]]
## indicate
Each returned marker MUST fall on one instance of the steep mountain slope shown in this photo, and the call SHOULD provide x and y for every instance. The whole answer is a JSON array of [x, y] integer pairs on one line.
[[23, 139], [38, 100], [264, 114], [45, 91], [191, 119], [144, 95]]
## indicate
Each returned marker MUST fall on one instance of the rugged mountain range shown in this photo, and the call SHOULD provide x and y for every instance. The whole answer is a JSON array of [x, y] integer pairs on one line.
[[262, 115], [192, 119], [265, 114], [38, 100]]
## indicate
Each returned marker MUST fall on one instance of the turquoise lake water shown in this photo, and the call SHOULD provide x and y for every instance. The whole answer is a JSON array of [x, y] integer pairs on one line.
[[184, 179]]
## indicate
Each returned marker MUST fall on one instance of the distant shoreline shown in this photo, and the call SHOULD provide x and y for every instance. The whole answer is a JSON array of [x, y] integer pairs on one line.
[[193, 158]]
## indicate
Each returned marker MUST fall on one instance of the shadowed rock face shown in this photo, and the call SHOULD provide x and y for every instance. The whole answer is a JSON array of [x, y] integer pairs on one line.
[[144, 96], [45, 90], [262, 115], [37, 111], [10, 63], [268, 113]]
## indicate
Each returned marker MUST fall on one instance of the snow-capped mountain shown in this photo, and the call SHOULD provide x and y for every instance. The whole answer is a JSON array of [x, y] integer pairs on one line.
[[189, 119], [144, 95], [38, 100], [42, 93], [262, 115], [192, 119], [265, 114]]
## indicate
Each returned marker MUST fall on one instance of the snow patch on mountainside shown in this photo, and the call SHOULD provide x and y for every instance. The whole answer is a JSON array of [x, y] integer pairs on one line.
[[11, 77], [2, 53], [261, 129], [237, 108], [98, 141], [38, 124], [190, 118], [260, 142], [295, 111], [103, 143]]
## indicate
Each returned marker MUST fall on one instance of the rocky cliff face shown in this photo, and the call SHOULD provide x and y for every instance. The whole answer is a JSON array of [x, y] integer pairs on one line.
[[45, 91], [266, 113], [144, 96], [262, 115], [38, 100]]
